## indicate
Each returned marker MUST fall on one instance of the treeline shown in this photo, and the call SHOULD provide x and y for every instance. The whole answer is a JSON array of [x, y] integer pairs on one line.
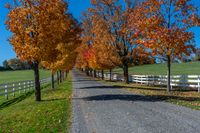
[[16, 64], [126, 33], [113, 33]]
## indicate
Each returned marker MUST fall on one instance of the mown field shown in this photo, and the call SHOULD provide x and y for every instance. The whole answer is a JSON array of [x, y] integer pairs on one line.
[[190, 68], [10, 76], [52, 114]]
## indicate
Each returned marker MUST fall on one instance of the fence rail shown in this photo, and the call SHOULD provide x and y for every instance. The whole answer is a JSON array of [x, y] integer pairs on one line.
[[184, 81], [12, 88]]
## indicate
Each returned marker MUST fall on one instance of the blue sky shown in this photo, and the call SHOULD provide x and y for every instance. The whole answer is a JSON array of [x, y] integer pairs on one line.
[[75, 7]]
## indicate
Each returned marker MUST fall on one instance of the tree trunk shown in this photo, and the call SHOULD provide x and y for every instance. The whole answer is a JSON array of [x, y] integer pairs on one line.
[[58, 80], [168, 73], [95, 73], [102, 76], [110, 74], [87, 72], [52, 81], [60, 76], [98, 74], [63, 76], [37, 81], [90, 72], [125, 68], [66, 74]]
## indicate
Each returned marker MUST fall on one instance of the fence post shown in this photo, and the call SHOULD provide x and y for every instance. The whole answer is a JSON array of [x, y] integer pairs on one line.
[[6, 92], [198, 83], [154, 79], [13, 89], [28, 86], [19, 88], [33, 83], [24, 87]]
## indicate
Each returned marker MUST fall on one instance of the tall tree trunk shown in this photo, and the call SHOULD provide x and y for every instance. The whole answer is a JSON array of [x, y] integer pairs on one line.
[[102, 74], [110, 74], [90, 72], [37, 81], [58, 79], [52, 81], [98, 74], [95, 73], [125, 68], [63, 76], [60, 76], [87, 71], [168, 73], [66, 74]]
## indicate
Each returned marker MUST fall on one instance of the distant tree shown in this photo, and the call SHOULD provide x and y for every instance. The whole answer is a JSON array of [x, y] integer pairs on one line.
[[197, 54], [6, 65], [15, 64], [26, 65]]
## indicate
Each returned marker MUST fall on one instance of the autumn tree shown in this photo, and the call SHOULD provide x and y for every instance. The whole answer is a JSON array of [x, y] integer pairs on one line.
[[63, 55], [165, 28], [37, 28], [110, 29], [98, 55], [6, 65]]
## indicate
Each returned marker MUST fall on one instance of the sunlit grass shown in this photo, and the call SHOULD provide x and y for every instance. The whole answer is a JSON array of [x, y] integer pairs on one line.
[[10, 76], [52, 114], [190, 68]]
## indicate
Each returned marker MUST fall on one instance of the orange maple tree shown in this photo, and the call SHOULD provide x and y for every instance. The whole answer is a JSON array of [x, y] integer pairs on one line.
[[164, 27], [63, 56], [38, 27]]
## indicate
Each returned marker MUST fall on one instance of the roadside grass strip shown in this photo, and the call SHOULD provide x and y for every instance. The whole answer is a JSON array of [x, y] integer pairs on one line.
[[52, 114]]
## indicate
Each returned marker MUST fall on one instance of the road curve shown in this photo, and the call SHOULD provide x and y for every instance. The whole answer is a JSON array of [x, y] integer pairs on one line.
[[100, 108]]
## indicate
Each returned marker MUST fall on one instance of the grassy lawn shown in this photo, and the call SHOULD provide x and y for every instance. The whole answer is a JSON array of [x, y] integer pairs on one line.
[[51, 115], [186, 98], [10, 76], [161, 69]]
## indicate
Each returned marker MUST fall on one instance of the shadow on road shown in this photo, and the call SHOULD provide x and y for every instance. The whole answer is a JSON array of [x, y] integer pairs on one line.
[[85, 80], [124, 97], [133, 97], [121, 97], [102, 87]]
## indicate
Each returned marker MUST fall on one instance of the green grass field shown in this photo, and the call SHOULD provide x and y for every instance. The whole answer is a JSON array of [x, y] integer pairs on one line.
[[51, 115], [10, 76], [191, 68]]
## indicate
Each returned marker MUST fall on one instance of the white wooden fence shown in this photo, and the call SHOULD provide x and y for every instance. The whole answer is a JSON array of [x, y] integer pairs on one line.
[[183, 81], [19, 87]]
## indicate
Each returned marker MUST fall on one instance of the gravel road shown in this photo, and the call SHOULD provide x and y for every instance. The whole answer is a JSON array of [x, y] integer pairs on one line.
[[100, 108]]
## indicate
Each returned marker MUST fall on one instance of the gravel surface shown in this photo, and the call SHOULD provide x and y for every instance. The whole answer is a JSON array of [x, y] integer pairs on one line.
[[100, 108]]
